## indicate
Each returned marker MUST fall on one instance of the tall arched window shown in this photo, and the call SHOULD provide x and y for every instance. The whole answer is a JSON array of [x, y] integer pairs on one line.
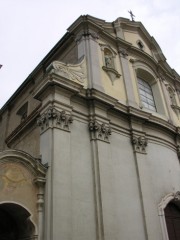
[[146, 95], [172, 216]]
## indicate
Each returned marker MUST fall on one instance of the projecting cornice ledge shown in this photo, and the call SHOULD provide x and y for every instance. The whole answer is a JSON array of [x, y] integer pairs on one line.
[[53, 80]]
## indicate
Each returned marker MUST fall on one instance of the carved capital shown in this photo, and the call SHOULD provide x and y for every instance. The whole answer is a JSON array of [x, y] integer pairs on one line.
[[53, 118], [140, 144], [87, 34], [123, 52], [99, 131]]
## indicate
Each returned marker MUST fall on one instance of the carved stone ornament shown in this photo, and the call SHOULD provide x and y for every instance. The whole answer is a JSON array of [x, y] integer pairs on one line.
[[99, 131], [112, 73], [53, 118], [177, 196], [87, 34], [123, 52], [74, 72], [139, 144]]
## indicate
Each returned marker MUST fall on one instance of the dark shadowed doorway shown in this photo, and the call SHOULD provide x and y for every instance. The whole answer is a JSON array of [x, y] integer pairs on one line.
[[15, 223], [172, 215]]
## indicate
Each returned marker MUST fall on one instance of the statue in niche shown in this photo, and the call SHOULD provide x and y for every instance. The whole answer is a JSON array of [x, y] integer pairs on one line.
[[108, 59], [172, 97]]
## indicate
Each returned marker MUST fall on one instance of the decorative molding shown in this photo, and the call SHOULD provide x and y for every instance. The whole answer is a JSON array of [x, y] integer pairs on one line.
[[40, 182], [178, 151], [103, 46], [172, 96], [87, 34], [53, 118], [20, 129], [112, 73], [100, 131], [176, 109], [74, 72], [177, 196], [109, 56], [123, 52], [140, 144], [29, 162]]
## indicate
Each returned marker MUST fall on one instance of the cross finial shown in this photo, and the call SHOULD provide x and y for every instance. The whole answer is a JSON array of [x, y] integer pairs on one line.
[[132, 15]]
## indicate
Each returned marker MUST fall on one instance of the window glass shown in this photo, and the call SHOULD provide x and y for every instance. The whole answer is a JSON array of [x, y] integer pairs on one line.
[[146, 95]]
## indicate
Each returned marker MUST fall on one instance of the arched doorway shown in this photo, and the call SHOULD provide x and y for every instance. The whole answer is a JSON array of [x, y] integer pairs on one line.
[[172, 216], [15, 223]]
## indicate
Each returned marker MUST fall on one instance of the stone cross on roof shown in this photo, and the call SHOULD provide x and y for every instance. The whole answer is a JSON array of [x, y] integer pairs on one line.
[[132, 15]]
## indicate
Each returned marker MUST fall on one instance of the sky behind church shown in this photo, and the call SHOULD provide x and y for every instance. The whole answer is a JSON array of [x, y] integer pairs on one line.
[[30, 28]]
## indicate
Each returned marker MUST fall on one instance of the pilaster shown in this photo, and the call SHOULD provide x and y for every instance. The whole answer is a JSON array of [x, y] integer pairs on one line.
[[123, 55], [55, 149], [87, 42], [104, 192], [140, 143]]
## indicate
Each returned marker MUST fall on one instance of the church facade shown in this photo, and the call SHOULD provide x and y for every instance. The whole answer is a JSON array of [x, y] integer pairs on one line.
[[90, 142]]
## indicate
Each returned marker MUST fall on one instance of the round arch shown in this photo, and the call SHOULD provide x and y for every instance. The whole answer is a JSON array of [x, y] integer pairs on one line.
[[169, 198], [15, 222]]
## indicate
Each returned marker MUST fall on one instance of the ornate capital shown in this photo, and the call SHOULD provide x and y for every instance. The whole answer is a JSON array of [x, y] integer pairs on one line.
[[53, 118], [139, 144], [87, 34], [123, 52], [99, 131]]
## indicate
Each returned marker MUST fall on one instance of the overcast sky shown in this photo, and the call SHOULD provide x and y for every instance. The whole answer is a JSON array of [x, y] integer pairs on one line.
[[30, 28]]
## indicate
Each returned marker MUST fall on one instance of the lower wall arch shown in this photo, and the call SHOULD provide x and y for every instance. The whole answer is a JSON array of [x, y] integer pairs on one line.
[[16, 223]]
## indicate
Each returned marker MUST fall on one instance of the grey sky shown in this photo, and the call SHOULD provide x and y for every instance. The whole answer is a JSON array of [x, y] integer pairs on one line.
[[30, 28]]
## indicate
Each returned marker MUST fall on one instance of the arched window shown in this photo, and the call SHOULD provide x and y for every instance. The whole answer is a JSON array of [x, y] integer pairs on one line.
[[172, 216], [146, 95]]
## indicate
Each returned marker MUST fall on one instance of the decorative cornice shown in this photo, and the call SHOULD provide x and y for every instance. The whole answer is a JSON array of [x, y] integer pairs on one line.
[[53, 118], [16, 156], [139, 144], [99, 131], [18, 131]]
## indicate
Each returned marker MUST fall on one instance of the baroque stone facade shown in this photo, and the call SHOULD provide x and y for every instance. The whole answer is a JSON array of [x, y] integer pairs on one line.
[[90, 142]]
